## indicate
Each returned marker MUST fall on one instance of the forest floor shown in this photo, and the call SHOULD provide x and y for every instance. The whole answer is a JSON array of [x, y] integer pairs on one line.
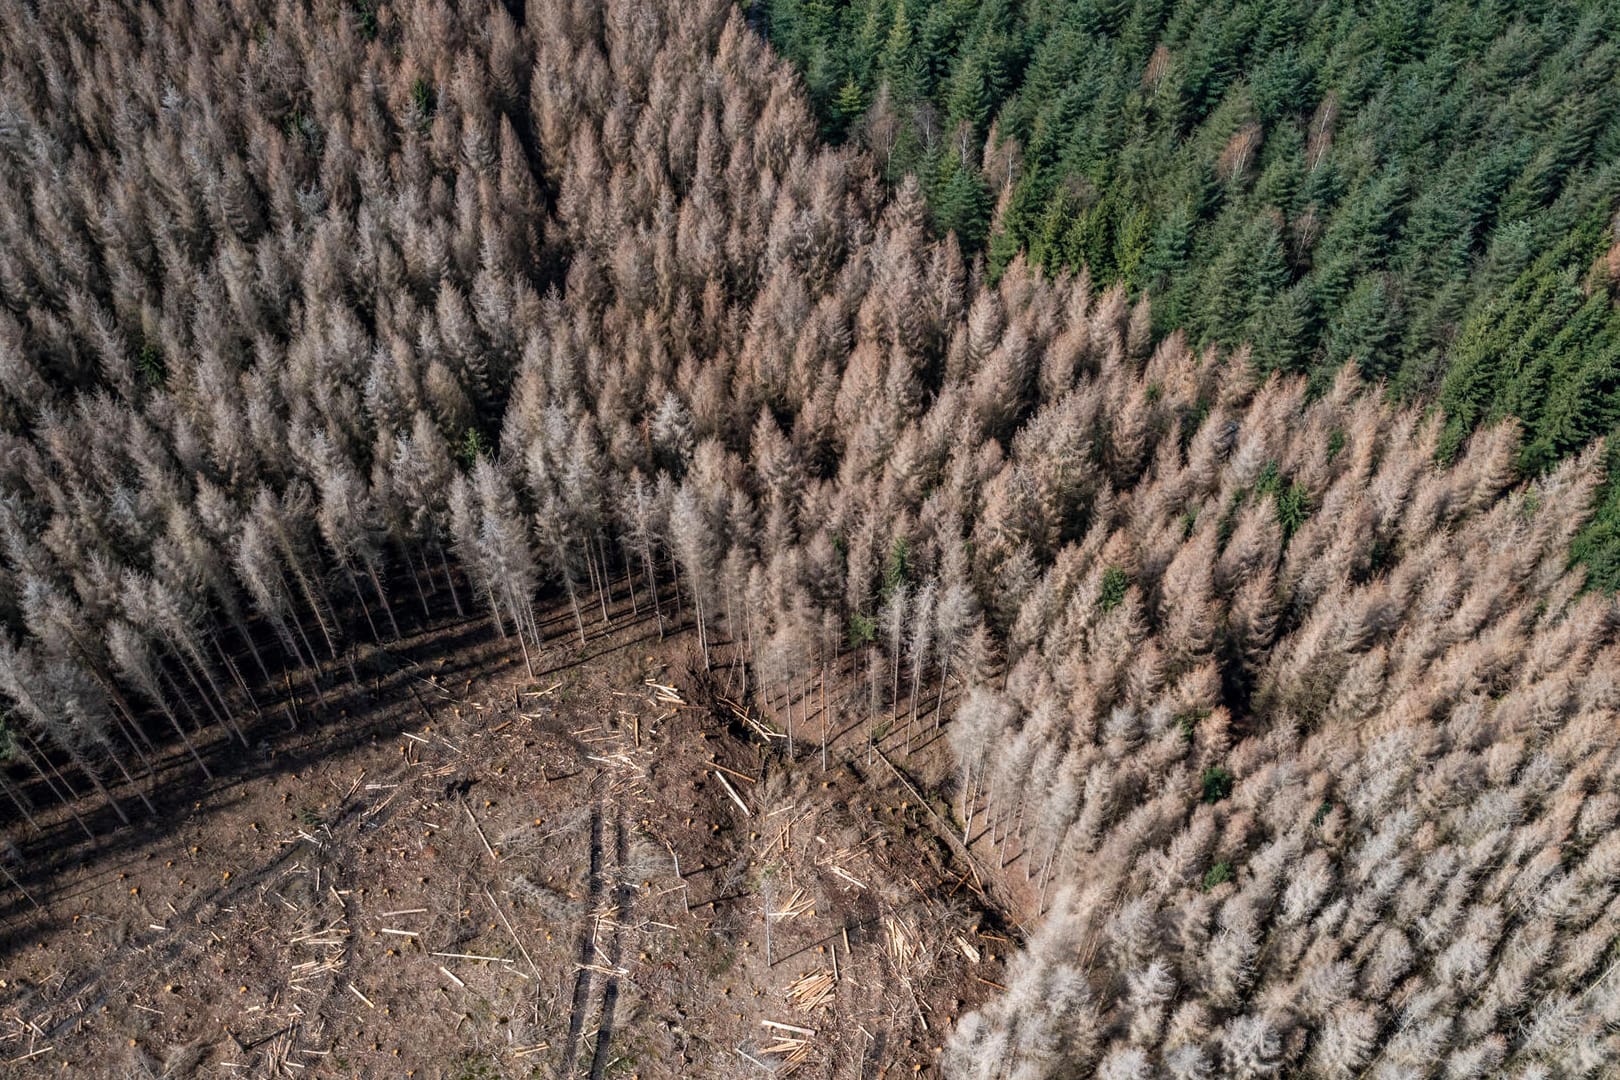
[[461, 871]]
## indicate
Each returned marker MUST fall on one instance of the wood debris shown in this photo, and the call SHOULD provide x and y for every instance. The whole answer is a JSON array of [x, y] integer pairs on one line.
[[899, 941], [794, 1052], [474, 956], [760, 727], [847, 876], [478, 828], [666, 695], [812, 990], [797, 905], [736, 798]]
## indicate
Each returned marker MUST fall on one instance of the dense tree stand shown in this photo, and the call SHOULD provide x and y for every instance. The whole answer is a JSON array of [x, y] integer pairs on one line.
[[1277, 707]]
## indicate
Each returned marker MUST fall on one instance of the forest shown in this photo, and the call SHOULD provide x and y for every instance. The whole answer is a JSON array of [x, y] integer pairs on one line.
[[1423, 189], [1187, 414]]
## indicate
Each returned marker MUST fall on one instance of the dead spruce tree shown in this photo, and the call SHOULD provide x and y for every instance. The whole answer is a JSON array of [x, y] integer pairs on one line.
[[1308, 764]]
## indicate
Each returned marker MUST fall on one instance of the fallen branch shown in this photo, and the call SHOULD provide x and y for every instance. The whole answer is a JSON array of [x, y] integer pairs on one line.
[[474, 956], [515, 940], [847, 876], [734, 772], [733, 793], [477, 828], [749, 1057]]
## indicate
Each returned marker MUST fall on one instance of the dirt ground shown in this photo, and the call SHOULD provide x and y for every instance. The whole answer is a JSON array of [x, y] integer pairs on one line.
[[451, 869]]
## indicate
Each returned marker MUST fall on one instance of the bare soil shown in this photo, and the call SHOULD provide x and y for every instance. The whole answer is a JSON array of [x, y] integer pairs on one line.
[[454, 869]]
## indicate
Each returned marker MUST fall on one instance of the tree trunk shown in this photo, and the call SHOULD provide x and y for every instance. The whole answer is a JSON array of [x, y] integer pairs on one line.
[[18, 886], [222, 713], [306, 659], [590, 570], [573, 602], [311, 668], [517, 618], [731, 619], [495, 610], [788, 701], [35, 752], [894, 690], [824, 724], [969, 804], [354, 676], [916, 680], [84, 767], [19, 799], [129, 737], [630, 581], [376, 587], [314, 603], [130, 780], [449, 580], [703, 634], [178, 694], [230, 666], [534, 624], [652, 587], [873, 692], [753, 648], [151, 770], [528, 663], [416, 580], [247, 639], [675, 576], [208, 674], [184, 738], [365, 609], [606, 591], [32, 756], [90, 665]]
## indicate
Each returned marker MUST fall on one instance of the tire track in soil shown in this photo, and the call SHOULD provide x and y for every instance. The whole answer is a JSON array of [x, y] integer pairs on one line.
[[622, 896], [582, 981]]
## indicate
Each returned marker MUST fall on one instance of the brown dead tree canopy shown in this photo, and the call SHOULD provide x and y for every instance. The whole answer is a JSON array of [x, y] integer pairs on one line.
[[316, 319]]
